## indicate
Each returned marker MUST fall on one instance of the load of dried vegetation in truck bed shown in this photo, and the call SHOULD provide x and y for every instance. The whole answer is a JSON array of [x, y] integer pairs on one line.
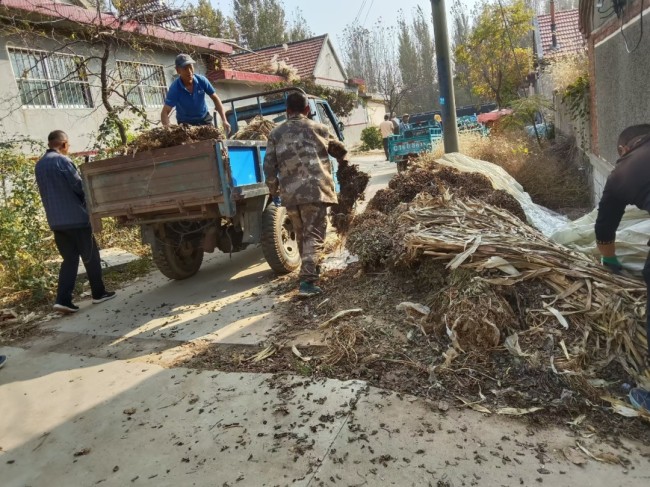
[[161, 137], [257, 129]]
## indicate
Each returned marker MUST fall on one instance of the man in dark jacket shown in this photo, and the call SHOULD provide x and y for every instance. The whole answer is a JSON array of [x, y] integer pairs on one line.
[[628, 184], [63, 198], [297, 168]]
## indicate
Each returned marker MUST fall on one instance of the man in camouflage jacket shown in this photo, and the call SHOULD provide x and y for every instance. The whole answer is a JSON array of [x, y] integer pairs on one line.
[[297, 168]]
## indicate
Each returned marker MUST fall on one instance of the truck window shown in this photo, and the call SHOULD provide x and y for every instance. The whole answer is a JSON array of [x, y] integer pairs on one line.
[[325, 119]]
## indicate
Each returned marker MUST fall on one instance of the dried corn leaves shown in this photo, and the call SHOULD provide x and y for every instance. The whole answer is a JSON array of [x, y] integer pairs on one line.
[[586, 319]]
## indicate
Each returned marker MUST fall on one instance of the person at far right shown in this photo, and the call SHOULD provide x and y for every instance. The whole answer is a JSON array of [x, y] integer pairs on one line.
[[628, 184]]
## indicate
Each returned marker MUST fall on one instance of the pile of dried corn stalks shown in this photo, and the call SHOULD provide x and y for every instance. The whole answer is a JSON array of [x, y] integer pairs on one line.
[[163, 137], [257, 129], [588, 320]]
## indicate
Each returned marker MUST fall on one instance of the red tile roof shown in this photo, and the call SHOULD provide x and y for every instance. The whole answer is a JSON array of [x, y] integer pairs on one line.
[[77, 15], [302, 55], [246, 76], [569, 38]]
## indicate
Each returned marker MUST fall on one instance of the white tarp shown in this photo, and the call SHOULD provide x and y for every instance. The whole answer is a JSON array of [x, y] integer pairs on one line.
[[545, 220], [631, 238]]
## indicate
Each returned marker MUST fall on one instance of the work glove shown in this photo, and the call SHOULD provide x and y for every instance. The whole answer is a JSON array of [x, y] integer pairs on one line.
[[276, 201], [612, 264]]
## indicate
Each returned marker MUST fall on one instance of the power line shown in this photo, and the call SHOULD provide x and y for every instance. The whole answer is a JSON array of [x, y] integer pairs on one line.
[[512, 47], [356, 19], [369, 10]]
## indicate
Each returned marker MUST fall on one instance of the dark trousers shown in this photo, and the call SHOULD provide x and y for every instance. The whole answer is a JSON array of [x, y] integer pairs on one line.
[[310, 224], [646, 278], [386, 147], [72, 244]]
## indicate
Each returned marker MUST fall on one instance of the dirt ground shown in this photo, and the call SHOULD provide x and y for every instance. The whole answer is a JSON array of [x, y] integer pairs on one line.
[[382, 346]]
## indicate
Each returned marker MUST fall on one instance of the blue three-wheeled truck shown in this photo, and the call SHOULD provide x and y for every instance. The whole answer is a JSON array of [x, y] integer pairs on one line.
[[208, 195]]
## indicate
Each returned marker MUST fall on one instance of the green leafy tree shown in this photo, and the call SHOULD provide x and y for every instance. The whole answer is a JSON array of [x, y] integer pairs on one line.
[[416, 63], [496, 52], [206, 20], [260, 23], [409, 66], [462, 29], [428, 86]]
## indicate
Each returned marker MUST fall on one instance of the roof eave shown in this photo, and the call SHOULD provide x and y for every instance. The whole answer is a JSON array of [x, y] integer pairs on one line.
[[74, 17], [243, 76]]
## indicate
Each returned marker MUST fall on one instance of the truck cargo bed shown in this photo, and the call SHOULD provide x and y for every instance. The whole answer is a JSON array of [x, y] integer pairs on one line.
[[183, 179]]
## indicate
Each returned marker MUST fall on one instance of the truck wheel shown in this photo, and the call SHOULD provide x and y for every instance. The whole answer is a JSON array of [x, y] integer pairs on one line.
[[279, 244], [177, 261]]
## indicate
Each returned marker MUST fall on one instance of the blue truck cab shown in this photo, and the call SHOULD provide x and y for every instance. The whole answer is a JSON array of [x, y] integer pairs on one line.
[[247, 156]]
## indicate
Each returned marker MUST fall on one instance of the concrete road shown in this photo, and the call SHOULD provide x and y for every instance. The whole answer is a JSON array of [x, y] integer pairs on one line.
[[95, 402]]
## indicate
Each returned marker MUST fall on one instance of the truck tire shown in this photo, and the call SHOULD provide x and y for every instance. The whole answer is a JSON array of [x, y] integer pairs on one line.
[[177, 261], [279, 244]]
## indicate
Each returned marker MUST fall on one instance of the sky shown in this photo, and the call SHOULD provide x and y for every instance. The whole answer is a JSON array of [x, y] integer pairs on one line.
[[331, 16]]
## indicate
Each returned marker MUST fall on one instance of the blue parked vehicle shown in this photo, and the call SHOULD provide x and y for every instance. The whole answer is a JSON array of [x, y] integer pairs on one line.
[[196, 198], [423, 133]]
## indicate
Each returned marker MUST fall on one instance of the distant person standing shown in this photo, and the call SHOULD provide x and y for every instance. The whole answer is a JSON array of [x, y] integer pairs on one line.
[[64, 201], [187, 95], [395, 122], [386, 128], [404, 124]]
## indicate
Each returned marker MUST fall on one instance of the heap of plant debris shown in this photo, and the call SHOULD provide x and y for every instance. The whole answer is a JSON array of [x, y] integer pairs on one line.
[[553, 314], [161, 137], [258, 129], [353, 185]]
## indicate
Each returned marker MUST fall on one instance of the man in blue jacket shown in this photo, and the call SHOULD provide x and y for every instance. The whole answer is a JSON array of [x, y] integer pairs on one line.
[[187, 95], [63, 198]]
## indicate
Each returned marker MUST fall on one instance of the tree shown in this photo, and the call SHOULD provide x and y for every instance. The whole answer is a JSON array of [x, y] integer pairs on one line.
[[495, 52], [462, 31], [417, 64], [372, 56], [409, 66], [206, 20], [261, 23], [298, 30]]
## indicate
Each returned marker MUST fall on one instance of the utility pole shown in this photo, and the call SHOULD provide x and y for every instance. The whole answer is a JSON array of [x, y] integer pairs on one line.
[[445, 79]]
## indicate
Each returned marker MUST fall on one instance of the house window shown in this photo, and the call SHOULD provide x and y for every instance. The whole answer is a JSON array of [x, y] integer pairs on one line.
[[50, 80], [143, 85]]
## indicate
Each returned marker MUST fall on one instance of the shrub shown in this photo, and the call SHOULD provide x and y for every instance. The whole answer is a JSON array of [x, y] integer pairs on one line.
[[371, 139], [551, 179], [26, 243]]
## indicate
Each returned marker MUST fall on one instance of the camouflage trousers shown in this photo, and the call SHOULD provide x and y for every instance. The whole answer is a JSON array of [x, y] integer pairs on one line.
[[310, 224]]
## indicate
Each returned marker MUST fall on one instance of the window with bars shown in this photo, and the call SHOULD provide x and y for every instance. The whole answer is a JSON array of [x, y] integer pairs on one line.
[[143, 85], [50, 80]]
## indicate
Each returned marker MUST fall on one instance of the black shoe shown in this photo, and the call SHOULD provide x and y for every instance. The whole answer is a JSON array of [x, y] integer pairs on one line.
[[104, 297], [66, 309]]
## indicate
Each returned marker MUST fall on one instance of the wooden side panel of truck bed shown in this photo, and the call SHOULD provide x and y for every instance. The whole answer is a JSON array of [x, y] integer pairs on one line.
[[180, 180]]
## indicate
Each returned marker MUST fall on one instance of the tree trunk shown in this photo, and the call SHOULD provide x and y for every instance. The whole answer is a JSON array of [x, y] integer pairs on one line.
[[112, 114]]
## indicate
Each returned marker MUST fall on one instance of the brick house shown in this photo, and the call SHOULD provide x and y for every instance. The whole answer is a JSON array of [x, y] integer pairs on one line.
[[314, 59]]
